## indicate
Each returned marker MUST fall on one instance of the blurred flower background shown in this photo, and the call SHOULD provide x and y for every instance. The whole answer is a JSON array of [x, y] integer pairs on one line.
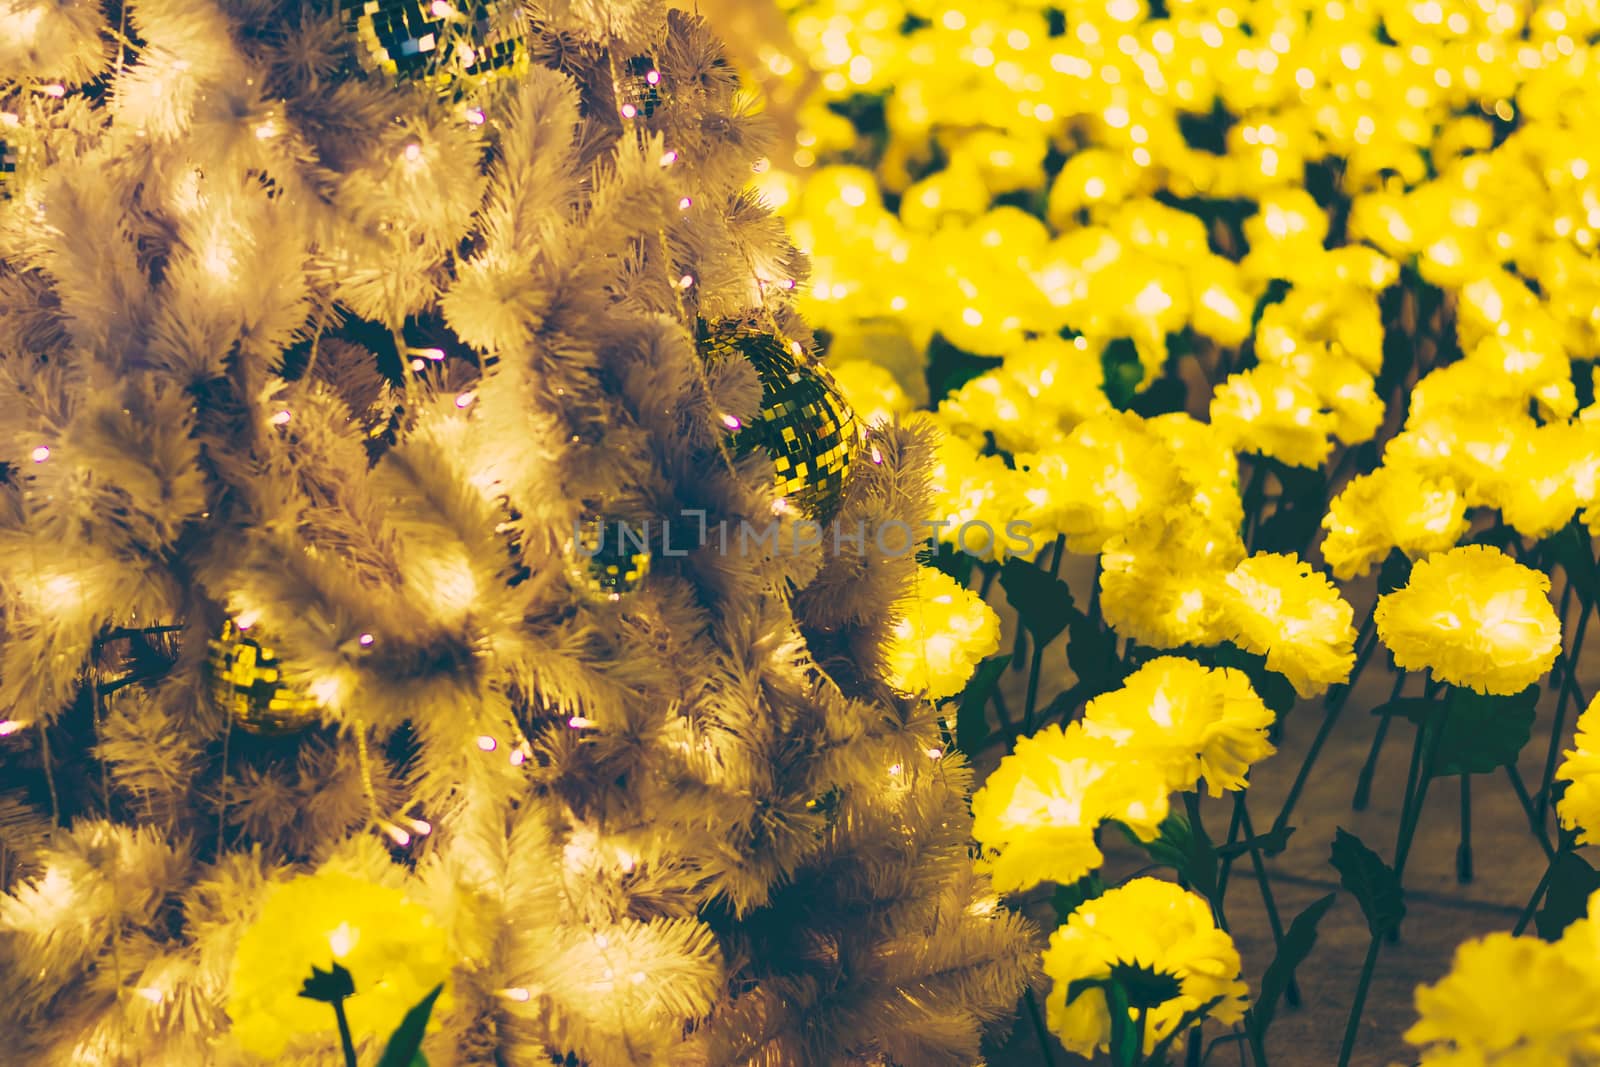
[[1281, 314]]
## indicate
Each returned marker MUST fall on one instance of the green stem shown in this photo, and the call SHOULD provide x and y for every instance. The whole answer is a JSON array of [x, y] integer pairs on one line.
[[1427, 745], [1040, 1030], [1569, 687], [1227, 864], [1363, 792], [1353, 1024], [1292, 992], [345, 1040], [1521, 790], [1464, 850], [1139, 1023], [1331, 709], [1533, 901], [1036, 664]]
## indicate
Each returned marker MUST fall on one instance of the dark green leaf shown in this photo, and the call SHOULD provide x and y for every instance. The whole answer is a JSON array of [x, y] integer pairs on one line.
[[405, 1045], [1187, 849], [1063, 702], [1575, 552], [1069, 898], [954, 562], [1273, 688], [1123, 370], [1566, 899], [1043, 602], [972, 722], [949, 368], [1295, 947], [1370, 880], [1092, 655], [1277, 291], [1080, 986], [1481, 733], [1395, 572], [1271, 843]]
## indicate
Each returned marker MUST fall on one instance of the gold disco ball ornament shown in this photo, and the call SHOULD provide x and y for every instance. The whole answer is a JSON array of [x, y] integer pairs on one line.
[[247, 684], [451, 44], [608, 557], [805, 424]]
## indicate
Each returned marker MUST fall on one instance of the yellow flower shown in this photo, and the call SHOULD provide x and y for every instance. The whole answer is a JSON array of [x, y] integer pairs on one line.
[[1036, 815], [1280, 608], [1193, 721], [1395, 506], [871, 389], [940, 635], [1476, 617], [1154, 925], [1162, 584], [1270, 410], [1033, 399], [1579, 807], [1510, 1002], [1556, 471], [393, 949], [1110, 475], [970, 488]]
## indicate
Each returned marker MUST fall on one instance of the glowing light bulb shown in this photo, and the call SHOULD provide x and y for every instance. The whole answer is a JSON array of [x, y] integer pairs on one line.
[[281, 418], [57, 91], [684, 204], [11, 726], [653, 77], [476, 116], [417, 364], [150, 993], [365, 640], [731, 422], [629, 111], [487, 743], [420, 827], [341, 939], [412, 153], [668, 158], [686, 281], [578, 722], [246, 619], [40, 454], [517, 993], [465, 400], [441, 8], [435, 354]]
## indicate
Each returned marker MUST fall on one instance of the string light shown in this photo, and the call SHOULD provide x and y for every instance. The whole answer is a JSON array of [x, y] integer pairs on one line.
[[685, 204], [517, 993], [281, 418], [732, 422], [476, 116], [686, 281], [668, 158], [464, 400], [487, 743], [365, 640], [578, 722], [412, 153], [40, 454], [11, 726], [55, 90]]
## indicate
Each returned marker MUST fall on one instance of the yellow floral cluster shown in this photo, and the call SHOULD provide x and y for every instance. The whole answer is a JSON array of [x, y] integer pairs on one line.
[[1515, 1001], [394, 950], [940, 633], [1171, 723], [1153, 925]]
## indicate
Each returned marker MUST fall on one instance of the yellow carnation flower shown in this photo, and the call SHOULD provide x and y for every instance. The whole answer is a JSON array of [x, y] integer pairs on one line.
[[967, 487], [1162, 584], [1476, 617], [1280, 608], [1510, 1002], [1110, 475], [1395, 506], [941, 634], [1033, 399], [1579, 807], [1151, 924], [393, 949], [1036, 815], [1270, 410], [1191, 720]]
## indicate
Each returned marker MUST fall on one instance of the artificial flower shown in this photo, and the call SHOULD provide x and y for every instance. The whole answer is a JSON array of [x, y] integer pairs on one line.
[[1395, 506], [395, 953], [1510, 1002], [1270, 410], [940, 634], [1280, 608], [1579, 806], [1153, 925], [1036, 815], [1475, 617], [1195, 721]]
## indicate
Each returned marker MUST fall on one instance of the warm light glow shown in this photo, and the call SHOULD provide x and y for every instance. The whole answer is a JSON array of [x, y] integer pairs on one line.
[[342, 939], [487, 743], [40, 454]]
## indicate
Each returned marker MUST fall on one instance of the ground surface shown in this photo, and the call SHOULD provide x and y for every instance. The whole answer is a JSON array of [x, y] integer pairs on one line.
[[1440, 911]]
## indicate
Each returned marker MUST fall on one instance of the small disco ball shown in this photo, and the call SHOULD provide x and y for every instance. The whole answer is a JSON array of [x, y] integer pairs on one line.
[[247, 684], [639, 88], [437, 42], [608, 557], [805, 424]]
